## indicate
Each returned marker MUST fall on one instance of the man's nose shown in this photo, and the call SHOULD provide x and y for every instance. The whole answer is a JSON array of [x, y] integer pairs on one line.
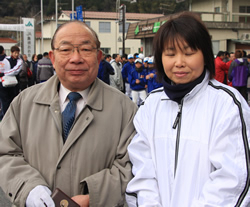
[[75, 56]]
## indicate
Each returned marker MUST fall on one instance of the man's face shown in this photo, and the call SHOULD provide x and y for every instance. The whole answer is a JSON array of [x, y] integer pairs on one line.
[[108, 59], [118, 59], [15, 54], [138, 65], [232, 56], [25, 58], [75, 71], [131, 60]]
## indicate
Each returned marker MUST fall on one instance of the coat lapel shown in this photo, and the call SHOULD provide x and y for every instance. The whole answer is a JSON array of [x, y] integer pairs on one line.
[[81, 123]]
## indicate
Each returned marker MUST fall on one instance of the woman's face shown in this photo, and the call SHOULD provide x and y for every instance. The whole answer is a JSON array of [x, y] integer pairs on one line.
[[181, 63]]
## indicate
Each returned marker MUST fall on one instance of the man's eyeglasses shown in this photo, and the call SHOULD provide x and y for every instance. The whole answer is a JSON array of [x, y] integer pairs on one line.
[[68, 49]]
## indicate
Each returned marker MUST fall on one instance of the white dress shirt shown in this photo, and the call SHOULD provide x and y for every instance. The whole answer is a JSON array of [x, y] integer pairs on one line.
[[63, 93]]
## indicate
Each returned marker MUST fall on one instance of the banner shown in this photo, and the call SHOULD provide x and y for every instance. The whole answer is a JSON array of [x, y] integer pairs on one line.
[[12, 27], [28, 37]]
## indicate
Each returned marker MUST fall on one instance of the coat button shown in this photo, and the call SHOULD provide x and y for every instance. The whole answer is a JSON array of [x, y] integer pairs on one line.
[[58, 167], [10, 194]]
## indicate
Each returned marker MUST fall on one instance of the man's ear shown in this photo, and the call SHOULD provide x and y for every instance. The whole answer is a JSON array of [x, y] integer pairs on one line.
[[51, 56]]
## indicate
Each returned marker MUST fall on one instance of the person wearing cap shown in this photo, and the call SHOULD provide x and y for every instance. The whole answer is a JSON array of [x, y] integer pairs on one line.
[[141, 56], [151, 76], [138, 82], [145, 63], [125, 70], [136, 55]]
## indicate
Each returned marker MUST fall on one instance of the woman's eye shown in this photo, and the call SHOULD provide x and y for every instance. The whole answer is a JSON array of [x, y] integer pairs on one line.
[[169, 54]]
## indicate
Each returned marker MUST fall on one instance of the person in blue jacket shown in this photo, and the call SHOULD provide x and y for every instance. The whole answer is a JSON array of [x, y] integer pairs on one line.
[[137, 81], [151, 76], [125, 70], [105, 69]]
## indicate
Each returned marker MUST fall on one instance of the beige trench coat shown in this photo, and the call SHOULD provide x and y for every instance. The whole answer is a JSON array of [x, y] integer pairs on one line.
[[32, 151]]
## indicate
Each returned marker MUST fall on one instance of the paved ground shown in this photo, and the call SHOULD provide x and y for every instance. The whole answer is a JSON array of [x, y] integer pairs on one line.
[[3, 200]]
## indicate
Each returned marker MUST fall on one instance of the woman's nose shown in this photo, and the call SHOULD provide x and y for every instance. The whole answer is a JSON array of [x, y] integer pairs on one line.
[[180, 60]]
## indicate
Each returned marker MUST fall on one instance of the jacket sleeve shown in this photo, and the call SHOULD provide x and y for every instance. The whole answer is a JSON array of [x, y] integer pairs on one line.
[[110, 68], [107, 187], [142, 190], [232, 65], [225, 66], [17, 178], [38, 72], [116, 77], [23, 72], [16, 69], [228, 183], [131, 79]]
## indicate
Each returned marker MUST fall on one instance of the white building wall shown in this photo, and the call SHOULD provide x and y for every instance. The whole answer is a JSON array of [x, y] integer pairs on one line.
[[108, 40]]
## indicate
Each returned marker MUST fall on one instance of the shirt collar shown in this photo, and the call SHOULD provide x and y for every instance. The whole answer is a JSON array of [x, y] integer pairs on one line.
[[63, 93]]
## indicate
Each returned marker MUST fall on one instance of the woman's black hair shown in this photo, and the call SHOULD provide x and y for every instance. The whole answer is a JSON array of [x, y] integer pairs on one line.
[[187, 27]]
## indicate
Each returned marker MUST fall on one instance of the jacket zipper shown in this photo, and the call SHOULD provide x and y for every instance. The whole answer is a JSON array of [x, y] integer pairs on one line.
[[177, 122]]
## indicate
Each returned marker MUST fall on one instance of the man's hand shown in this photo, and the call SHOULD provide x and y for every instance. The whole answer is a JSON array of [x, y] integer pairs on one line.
[[151, 75], [82, 200], [40, 196], [137, 81]]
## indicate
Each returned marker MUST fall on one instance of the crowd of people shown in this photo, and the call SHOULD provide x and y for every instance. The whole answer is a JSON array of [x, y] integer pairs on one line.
[[187, 145], [233, 69], [27, 73], [133, 74]]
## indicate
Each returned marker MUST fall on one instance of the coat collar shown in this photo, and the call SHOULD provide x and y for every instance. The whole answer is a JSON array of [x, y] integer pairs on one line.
[[48, 93], [199, 87]]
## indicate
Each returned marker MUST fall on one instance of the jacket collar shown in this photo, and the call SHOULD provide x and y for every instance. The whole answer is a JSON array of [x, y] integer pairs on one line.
[[198, 88], [48, 93]]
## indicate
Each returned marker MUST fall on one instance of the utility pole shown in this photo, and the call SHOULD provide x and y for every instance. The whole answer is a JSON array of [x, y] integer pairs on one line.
[[41, 26], [73, 10], [123, 29], [56, 14], [122, 19]]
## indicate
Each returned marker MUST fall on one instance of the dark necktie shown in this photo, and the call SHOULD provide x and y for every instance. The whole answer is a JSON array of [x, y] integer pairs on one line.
[[68, 115]]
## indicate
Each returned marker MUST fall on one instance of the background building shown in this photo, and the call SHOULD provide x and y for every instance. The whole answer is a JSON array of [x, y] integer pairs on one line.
[[228, 22], [7, 43], [106, 26]]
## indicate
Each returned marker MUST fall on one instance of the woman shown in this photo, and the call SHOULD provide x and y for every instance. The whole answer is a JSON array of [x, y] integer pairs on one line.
[[192, 142]]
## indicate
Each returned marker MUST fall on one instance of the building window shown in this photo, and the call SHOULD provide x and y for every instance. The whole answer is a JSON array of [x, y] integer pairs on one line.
[[106, 50], [127, 51], [126, 27], [104, 27], [217, 9], [244, 9], [88, 23]]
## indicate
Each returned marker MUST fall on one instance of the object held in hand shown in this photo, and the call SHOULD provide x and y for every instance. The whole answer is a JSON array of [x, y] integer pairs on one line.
[[62, 200]]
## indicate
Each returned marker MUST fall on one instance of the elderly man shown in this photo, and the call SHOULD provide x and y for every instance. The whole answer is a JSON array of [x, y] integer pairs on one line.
[[42, 147]]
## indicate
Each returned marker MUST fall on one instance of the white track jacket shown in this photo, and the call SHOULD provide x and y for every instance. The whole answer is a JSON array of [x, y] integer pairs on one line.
[[195, 154]]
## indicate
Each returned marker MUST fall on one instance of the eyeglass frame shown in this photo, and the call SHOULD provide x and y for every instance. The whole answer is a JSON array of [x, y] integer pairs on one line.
[[73, 47]]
